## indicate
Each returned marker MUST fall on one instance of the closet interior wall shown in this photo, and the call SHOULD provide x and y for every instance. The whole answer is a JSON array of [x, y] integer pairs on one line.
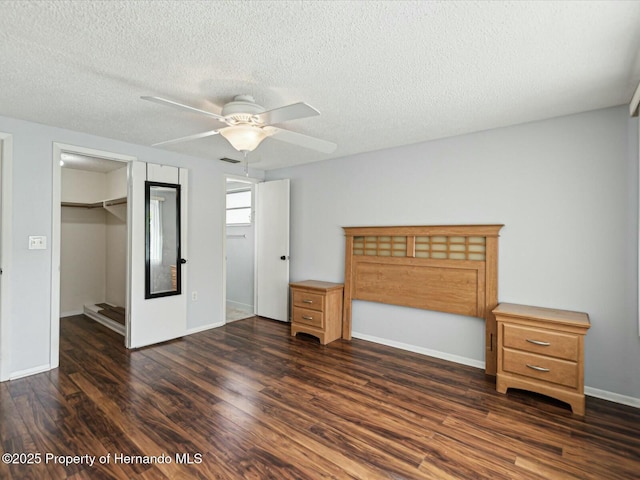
[[93, 254]]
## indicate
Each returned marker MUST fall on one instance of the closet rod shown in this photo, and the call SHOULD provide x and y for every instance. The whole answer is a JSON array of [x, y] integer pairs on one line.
[[115, 201], [81, 205]]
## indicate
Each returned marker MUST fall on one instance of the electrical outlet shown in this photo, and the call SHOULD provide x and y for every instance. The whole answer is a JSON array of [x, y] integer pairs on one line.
[[194, 296]]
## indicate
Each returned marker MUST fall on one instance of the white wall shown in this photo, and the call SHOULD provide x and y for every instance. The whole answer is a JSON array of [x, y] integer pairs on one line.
[[82, 241], [79, 186], [566, 190], [116, 255], [240, 266], [31, 269], [116, 183], [82, 258], [116, 244]]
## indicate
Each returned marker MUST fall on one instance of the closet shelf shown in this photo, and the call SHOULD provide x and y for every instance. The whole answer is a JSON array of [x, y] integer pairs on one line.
[[102, 204]]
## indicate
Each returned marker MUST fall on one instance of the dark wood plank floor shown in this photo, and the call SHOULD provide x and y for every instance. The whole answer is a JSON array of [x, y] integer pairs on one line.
[[249, 401]]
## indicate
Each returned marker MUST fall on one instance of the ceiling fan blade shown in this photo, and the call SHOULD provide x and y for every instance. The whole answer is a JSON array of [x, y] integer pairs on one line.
[[301, 140], [171, 103], [187, 138], [288, 112]]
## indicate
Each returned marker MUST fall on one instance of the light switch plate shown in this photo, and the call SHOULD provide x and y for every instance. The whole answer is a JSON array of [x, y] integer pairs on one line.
[[37, 242]]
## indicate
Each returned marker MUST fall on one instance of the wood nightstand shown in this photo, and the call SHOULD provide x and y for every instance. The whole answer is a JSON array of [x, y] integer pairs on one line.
[[542, 350], [316, 309]]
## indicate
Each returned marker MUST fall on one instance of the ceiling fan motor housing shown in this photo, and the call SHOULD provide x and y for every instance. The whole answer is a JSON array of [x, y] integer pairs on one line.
[[242, 109]]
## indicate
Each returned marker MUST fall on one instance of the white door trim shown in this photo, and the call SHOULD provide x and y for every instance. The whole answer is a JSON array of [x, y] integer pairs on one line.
[[6, 144], [58, 148]]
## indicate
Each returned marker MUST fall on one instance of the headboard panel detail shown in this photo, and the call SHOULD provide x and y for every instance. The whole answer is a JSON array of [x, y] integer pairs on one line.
[[447, 268]]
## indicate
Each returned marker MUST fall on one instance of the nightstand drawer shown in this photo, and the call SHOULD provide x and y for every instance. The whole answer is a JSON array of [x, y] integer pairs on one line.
[[543, 342], [312, 301], [307, 317], [553, 370]]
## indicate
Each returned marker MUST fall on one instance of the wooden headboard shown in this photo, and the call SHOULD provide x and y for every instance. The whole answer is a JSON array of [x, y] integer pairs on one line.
[[448, 268]]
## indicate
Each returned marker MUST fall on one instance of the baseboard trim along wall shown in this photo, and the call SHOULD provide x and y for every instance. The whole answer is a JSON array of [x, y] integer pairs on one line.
[[592, 392], [241, 306], [30, 371], [612, 397], [204, 328], [424, 351]]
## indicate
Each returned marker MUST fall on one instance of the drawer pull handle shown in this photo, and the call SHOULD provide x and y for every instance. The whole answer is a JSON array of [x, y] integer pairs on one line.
[[307, 317], [539, 369], [538, 342], [307, 301]]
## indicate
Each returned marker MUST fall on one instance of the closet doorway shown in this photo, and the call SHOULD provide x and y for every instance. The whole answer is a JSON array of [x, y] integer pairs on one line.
[[256, 249], [240, 248], [90, 239]]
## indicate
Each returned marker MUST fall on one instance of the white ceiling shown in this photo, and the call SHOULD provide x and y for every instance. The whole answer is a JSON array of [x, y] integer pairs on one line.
[[383, 74]]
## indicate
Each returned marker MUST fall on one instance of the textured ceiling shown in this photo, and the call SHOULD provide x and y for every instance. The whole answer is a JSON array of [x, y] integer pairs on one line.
[[382, 74]]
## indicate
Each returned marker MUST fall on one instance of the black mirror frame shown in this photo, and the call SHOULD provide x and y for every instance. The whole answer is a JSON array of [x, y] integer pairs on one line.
[[147, 275]]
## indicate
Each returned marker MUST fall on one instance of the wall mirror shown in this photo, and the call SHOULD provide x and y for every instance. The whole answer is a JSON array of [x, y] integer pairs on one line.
[[163, 263]]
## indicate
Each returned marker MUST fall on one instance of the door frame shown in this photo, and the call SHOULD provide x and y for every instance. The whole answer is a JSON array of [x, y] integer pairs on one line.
[[6, 162], [253, 182], [58, 149]]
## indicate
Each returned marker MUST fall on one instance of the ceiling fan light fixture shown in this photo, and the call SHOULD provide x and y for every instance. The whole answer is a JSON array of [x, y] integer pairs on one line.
[[244, 138]]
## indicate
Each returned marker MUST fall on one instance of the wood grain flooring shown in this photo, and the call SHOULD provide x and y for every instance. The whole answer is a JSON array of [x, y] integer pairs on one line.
[[247, 400]]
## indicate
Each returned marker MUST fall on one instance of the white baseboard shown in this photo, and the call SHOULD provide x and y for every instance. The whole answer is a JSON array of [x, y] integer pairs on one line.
[[590, 391], [107, 322], [71, 313], [424, 351], [205, 327], [612, 397], [240, 306], [30, 371]]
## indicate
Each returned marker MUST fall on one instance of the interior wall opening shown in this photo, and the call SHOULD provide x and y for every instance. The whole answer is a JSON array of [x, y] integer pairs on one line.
[[93, 239], [240, 249]]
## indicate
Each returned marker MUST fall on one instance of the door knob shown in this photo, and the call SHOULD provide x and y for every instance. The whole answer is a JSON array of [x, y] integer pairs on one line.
[[283, 257], [183, 261]]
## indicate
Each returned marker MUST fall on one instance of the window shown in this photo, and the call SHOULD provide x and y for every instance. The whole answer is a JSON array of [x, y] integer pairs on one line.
[[239, 207]]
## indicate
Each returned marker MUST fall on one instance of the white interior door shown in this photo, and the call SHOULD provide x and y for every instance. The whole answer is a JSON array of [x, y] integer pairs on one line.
[[164, 316], [272, 251]]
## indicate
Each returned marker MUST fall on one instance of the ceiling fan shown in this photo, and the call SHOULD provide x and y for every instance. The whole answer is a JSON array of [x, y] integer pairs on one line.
[[245, 124]]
